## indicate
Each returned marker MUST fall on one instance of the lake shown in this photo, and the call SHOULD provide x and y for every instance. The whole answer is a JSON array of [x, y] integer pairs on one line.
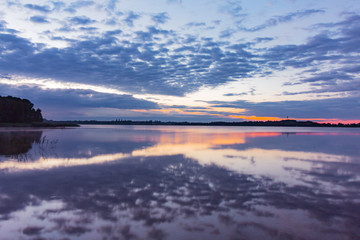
[[180, 182]]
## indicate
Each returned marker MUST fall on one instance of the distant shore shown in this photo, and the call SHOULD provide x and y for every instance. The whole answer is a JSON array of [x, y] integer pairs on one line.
[[282, 123]]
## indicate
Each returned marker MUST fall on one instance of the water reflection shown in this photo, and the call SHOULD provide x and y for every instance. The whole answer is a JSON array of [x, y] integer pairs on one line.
[[184, 183], [24, 146], [18, 142]]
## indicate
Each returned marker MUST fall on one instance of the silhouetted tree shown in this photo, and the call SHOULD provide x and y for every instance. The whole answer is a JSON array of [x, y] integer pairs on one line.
[[17, 110]]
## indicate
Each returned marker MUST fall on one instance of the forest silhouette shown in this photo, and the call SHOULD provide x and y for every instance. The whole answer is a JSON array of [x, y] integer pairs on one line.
[[17, 110]]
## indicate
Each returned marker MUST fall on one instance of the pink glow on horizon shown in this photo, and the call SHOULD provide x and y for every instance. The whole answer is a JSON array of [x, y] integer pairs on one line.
[[336, 121]]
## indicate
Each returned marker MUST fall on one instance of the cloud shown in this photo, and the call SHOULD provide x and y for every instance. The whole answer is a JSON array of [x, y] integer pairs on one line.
[[227, 33], [88, 29], [81, 20], [129, 20], [264, 39], [281, 19], [195, 24], [39, 19], [87, 98], [318, 48], [349, 87], [234, 9], [113, 32], [74, 6], [322, 51], [16, 44], [161, 18], [344, 108], [327, 78], [72, 100], [58, 5], [174, 1], [3, 28], [2, 25], [35, 7], [251, 92], [130, 65], [169, 62], [112, 5]]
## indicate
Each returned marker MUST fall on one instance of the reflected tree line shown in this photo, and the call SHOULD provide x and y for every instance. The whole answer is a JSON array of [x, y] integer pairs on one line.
[[26, 145]]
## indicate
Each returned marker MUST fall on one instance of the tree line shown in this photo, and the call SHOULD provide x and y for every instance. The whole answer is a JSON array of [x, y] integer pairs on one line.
[[17, 110], [281, 123]]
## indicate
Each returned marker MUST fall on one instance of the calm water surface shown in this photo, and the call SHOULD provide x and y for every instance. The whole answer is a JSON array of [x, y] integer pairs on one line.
[[167, 182]]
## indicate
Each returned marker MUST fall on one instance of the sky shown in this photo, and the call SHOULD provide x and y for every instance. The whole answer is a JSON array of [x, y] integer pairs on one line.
[[182, 60]]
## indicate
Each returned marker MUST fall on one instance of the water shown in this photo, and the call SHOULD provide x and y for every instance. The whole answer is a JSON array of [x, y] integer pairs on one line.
[[169, 182]]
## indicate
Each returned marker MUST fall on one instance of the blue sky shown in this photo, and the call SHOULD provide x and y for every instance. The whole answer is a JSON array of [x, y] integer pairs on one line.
[[202, 60]]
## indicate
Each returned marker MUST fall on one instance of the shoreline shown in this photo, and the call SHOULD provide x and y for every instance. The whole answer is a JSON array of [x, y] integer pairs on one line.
[[41, 125], [283, 123]]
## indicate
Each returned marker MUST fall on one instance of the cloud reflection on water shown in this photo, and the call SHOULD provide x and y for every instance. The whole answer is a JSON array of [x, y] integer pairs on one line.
[[176, 183]]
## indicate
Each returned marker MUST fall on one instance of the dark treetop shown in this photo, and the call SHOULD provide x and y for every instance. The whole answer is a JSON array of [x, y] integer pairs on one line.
[[17, 110]]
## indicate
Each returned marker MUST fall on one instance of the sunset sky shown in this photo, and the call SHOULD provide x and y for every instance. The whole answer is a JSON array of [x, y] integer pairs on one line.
[[182, 60]]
